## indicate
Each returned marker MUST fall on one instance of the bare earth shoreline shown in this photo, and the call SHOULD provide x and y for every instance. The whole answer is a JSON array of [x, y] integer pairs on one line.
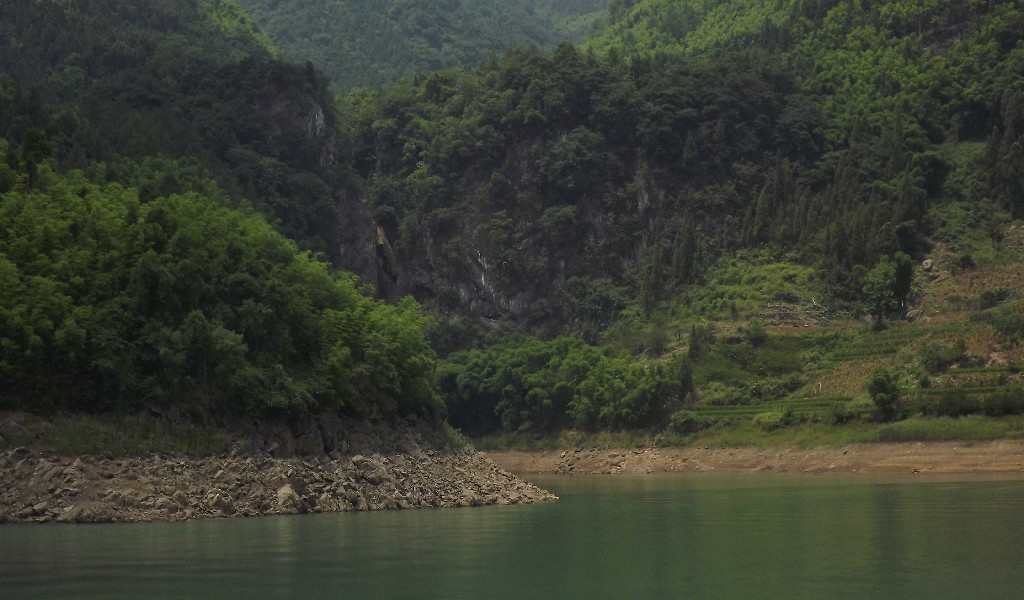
[[39, 487], [911, 458]]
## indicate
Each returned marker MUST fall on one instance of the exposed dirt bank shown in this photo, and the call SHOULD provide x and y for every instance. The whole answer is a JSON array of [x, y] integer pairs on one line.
[[37, 487], [909, 458]]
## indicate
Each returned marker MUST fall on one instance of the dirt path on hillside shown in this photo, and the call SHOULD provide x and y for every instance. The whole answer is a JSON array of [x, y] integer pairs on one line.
[[908, 458]]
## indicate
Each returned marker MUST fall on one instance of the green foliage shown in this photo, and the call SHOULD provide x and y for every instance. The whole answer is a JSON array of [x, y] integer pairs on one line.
[[936, 358], [887, 285], [123, 81], [522, 173], [373, 44], [124, 434], [536, 386], [755, 334], [950, 403], [731, 370], [454, 437], [942, 428], [1007, 320], [1009, 402], [895, 80], [749, 282], [698, 161], [839, 413], [685, 422], [111, 304], [772, 420], [884, 391]]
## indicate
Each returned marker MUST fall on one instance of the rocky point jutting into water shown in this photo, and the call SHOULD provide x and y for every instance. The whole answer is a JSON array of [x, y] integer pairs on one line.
[[322, 464], [89, 489]]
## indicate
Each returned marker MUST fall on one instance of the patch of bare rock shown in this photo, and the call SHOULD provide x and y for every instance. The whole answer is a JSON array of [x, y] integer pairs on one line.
[[42, 487]]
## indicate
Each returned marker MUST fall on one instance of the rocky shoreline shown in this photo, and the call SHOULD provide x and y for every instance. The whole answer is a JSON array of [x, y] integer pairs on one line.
[[42, 487]]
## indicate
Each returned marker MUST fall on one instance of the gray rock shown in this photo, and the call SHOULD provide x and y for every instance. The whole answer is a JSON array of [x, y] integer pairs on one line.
[[180, 498], [12, 429], [177, 488], [87, 512], [167, 505], [331, 432], [288, 501], [223, 503]]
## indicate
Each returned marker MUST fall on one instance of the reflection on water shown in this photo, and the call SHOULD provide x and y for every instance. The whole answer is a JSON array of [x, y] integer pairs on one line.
[[609, 537]]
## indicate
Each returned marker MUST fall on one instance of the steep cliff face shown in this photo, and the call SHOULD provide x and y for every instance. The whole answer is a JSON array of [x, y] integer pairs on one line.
[[551, 190], [302, 121]]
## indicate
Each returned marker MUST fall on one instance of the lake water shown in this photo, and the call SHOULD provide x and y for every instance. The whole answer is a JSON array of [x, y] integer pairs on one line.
[[695, 536]]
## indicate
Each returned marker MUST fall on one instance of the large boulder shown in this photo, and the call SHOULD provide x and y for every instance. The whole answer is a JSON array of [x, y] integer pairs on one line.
[[371, 469], [88, 512], [289, 501]]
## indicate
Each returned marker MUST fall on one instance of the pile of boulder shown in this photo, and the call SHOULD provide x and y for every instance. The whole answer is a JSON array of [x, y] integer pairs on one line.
[[43, 487]]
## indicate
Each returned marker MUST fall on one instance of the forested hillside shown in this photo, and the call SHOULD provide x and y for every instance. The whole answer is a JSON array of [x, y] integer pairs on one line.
[[613, 220], [188, 81], [372, 44], [137, 138], [669, 173], [552, 188]]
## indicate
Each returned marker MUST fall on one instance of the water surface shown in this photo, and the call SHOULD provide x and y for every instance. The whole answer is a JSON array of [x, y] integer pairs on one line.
[[703, 536]]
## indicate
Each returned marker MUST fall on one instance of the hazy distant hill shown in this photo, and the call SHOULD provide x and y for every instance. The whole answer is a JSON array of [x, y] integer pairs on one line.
[[374, 42]]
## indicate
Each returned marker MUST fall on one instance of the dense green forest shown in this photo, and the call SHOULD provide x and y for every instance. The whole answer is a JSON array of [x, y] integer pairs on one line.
[[115, 302], [550, 188], [607, 224], [138, 138], [592, 191], [188, 80], [372, 44]]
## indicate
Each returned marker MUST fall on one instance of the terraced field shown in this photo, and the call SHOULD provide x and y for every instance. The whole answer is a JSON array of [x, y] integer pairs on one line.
[[799, 406]]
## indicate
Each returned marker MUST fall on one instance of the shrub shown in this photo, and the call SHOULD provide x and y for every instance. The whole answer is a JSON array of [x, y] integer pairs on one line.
[[964, 428], [964, 261], [756, 334], [772, 420], [685, 421], [838, 413], [936, 358], [954, 403], [991, 298], [1003, 403], [1007, 320]]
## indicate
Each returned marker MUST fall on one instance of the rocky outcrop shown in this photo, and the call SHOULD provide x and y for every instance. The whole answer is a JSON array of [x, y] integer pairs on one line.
[[39, 487]]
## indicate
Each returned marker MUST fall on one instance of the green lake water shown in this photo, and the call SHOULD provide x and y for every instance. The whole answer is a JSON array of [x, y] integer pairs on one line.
[[693, 536]]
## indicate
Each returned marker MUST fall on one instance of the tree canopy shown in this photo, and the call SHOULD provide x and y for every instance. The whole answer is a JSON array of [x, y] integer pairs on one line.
[[111, 302]]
